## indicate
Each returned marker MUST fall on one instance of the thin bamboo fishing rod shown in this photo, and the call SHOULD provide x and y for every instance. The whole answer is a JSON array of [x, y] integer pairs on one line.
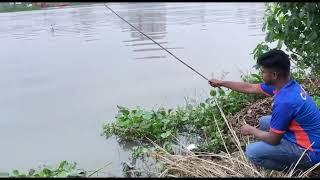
[[157, 43]]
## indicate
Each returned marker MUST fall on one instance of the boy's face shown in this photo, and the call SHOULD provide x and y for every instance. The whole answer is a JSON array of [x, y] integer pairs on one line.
[[269, 76]]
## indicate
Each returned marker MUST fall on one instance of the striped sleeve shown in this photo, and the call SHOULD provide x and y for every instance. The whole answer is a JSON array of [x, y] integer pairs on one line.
[[266, 89]]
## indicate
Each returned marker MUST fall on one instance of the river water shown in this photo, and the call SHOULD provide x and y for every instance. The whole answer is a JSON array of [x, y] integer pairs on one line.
[[64, 71]]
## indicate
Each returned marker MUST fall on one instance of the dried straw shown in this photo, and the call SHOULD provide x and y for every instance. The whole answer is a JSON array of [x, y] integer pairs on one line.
[[219, 165]]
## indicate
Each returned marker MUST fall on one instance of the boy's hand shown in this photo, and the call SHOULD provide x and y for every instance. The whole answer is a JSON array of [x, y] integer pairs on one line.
[[215, 82], [246, 129]]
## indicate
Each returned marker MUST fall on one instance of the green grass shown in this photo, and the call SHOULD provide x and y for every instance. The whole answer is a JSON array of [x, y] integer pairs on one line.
[[195, 120], [4, 9], [22, 7], [65, 169]]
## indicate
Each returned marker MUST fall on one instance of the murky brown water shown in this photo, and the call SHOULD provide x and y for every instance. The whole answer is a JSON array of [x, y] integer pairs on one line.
[[58, 87]]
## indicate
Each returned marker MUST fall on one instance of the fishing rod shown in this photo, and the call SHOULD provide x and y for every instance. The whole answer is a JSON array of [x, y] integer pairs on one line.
[[157, 43]]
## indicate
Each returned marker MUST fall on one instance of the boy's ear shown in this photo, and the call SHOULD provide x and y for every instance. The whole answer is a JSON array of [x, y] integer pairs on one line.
[[275, 75]]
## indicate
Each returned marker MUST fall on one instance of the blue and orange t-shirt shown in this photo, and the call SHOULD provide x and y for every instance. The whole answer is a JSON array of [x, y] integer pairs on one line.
[[296, 115]]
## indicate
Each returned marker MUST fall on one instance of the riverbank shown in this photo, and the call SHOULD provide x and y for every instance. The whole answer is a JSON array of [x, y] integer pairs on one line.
[[24, 7], [219, 148], [6, 9], [231, 163]]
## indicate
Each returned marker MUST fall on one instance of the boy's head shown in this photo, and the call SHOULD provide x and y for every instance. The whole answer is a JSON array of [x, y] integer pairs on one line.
[[275, 65]]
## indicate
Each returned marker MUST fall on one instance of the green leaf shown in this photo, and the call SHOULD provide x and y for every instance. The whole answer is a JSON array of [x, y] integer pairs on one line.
[[147, 115], [31, 172], [276, 10], [80, 173], [14, 173], [213, 92], [166, 120], [145, 150], [312, 36], [257, 77], [166, 134], [62, 164], [185, 118], [63, 174], [269, 37], [301, 14], [47, 172], [279, 45], [221, 92]]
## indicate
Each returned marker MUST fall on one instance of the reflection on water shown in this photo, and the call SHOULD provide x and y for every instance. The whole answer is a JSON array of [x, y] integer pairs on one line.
[[150, 19], [153, 20], [152, 23], [63, 71]]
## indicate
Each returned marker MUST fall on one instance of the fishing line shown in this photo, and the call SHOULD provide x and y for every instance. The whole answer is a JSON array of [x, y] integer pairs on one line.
[[156, 43]]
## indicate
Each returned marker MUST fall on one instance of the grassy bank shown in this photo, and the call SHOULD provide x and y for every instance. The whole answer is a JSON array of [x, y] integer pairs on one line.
[[213, 123], [225, 164], [196, 120], [64, 169], [4, 9], [23, 7]]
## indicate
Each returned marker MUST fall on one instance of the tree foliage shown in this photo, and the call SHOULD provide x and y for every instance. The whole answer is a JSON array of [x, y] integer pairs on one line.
[[297, 26]]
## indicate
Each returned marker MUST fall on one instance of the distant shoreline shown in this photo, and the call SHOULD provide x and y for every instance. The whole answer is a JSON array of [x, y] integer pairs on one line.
[[18, 8], [70, 6]]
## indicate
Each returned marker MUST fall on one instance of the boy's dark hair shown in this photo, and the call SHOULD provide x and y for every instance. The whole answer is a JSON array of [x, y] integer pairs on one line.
[[277, 60]]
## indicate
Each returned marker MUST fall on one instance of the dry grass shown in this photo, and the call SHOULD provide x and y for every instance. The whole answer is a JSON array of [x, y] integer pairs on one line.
[[312, 85], [201, 164]]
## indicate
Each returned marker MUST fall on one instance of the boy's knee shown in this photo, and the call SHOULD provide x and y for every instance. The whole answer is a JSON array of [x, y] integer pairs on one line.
[[252, 152], [264, 120], [262, 154]]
